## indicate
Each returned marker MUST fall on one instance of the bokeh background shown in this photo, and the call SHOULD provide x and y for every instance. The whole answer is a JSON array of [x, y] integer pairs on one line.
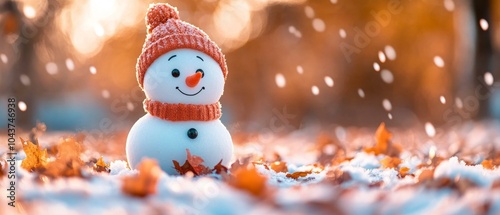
[[292, 63]]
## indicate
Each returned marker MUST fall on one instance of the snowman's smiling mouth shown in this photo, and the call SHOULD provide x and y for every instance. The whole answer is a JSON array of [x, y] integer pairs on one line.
[[187, 94]]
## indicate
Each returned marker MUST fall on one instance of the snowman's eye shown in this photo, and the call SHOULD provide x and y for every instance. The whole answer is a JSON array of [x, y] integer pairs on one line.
[[176, 73], [202, 73]]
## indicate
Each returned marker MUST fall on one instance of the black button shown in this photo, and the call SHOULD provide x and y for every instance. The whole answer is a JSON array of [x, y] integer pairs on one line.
[[192, 133]]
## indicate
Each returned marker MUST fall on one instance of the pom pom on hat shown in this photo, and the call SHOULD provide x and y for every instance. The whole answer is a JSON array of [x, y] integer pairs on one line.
[[158, 14]]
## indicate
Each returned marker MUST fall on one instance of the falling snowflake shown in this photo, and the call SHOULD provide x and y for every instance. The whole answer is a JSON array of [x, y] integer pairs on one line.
[[387, 104], [387, 76], [376, 66], [280, 80], [390, 52], [459, 103], [449, 5], [4, 58], [105, 94], [318, 25], [389, 115], [329, 81], [381, 56], [342, 33], [70, 64], [130, 106], [51, 68], [22, 106], [93, 70], [315, 90], [488, 78], [361, 93], [309, 12], [25, 80], [429, 129], [29, 12], [294, 31], [484, 24], [439, 61], [442, 99], [300, 70]]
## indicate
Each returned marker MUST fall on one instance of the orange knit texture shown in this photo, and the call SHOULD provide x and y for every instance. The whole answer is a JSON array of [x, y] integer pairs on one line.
[[183, 112]]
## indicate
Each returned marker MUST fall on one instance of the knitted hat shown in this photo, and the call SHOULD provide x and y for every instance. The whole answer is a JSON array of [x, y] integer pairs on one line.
[[166, 32]]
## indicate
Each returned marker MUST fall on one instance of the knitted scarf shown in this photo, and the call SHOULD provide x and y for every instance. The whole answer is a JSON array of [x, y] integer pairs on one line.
[[183, 112]]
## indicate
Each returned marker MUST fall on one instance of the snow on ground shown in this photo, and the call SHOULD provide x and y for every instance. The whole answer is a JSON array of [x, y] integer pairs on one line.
[[459, 183]]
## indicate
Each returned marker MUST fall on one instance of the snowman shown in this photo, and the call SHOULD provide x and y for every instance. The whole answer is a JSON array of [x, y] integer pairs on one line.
[[182, 73]]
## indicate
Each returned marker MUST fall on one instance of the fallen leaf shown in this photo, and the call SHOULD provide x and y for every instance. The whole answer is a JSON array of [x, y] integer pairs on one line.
[[144, 183], [35, 157], [390, 162], [279, 166], [383, 144], [297, 175], [197, 164], [239, 165], [68, 162], [403, 171], [249, 180], [101, 166], [193, 164], [488, 164], [337, 176], [185, 168], [425, 175], [220, 169]]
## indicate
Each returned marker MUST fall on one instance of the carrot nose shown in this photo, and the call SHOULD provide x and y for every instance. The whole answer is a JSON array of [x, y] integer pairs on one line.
[[193, 80]]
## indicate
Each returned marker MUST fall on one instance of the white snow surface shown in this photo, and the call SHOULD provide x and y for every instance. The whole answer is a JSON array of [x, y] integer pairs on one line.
[[100, 193]]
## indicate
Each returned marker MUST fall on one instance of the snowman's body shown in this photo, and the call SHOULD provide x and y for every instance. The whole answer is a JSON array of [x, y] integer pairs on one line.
[[166, 141], [173, 78]]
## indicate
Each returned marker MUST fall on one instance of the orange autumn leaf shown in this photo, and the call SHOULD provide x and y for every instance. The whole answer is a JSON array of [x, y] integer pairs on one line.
[[192, 164], [197, 164], [68, 162], [144, 183], [488, 164], [383, 144], [297, 175], [425, 175], [35, 157], [249, 180], [185, 168], [101, 166], [390, 162], [279, 166], [220, 169], [403, 171]]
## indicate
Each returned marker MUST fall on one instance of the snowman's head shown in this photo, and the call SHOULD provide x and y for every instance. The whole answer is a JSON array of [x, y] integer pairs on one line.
[[184, 76]]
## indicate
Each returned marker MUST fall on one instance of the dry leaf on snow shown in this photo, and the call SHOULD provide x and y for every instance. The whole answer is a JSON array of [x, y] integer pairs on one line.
[[35, 157], [383, 143], [390, 162], [250, 180], [220, 169], [101, 166], [144, 183], [67, 162], [193, 164], [488, 164]]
